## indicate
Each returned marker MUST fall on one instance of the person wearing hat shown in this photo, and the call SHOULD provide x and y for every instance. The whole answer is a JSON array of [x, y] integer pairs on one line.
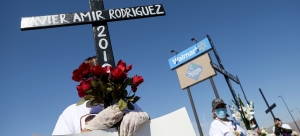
[[221, 126], [280, 128]]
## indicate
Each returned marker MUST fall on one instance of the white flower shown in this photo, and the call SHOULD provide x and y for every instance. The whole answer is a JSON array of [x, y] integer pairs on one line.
[[264, 131]]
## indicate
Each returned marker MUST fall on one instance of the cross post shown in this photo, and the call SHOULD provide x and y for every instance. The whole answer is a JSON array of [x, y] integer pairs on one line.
[[226, 74], [269, 108]]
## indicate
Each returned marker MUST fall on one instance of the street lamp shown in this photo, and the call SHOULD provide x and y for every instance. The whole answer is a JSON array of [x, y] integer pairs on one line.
[[289, 111], [172, 51]]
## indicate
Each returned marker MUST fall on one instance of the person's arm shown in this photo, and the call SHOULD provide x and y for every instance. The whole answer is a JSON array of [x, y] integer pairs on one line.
[[277, 129], [214, 130], [132, 120], [286, 130]]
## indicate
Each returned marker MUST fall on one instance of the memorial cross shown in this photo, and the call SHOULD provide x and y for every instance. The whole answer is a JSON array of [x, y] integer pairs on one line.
[[227, 75], [98, 17], [269, 108]]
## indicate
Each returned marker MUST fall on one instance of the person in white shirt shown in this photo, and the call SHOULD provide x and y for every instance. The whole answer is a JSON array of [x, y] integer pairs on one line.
[[72, 120], [221, 126], [280, 128]]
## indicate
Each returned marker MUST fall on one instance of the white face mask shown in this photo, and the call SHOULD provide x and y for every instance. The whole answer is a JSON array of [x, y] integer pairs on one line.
[[253, 126]]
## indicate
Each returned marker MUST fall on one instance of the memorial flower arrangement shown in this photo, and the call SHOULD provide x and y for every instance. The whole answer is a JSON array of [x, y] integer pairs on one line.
[[244, 115], [264, 132], [106, 85]]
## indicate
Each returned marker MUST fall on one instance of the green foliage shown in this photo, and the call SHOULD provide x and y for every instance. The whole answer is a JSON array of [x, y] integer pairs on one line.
[[80, 102], [122, 104]]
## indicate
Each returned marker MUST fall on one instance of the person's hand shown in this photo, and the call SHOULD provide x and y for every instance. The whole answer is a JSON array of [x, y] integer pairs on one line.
[[258, 132], [106, 118], [279, 124], [131, 121], [85, 130]]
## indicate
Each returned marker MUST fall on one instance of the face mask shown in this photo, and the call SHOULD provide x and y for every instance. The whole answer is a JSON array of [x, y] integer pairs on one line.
[[221, 112]]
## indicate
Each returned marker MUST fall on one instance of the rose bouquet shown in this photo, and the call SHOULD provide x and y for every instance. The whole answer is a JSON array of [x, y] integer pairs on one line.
[[106, 85]]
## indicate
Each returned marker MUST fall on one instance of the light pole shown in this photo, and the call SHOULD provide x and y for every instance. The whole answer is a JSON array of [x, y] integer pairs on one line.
[[192, 103], [289, 111], [298, 110]]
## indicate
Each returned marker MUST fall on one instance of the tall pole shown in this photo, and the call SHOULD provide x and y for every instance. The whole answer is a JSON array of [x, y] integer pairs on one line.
[[195, 113], [298, 110], [214, 87], [243, 90], [289, 112]]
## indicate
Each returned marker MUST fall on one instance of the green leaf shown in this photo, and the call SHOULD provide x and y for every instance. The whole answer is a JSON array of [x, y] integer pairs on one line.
[[87, 97], [95, 104], [130, 97], [108, 88], [94, 84], [127, 82], [88, 104], [124, 94], [100, 84], [122, 104], [130, 106], [135, 99], [114, 95], [118, 86], [80, 102], [89, 91]]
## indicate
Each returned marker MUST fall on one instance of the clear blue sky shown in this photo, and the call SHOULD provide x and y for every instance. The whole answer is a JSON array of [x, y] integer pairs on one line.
[[256, 40]]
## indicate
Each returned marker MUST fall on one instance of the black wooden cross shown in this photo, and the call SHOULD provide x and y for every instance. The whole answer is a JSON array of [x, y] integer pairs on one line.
[[269, 108], [98, 17], [226, 74]]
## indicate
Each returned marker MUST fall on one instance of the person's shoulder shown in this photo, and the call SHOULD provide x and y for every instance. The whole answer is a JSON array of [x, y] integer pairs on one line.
[[286, 126], [74, 107], [214, 122]]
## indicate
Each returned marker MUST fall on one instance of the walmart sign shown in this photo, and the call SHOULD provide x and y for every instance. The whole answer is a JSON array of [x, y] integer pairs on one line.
[[190, 53]]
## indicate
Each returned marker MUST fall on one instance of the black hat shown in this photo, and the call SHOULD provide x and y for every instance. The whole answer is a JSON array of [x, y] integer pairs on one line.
[[277, 119], [216, 102]]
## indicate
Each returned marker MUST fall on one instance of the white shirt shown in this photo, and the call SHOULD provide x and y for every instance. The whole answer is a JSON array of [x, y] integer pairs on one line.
[[287, 126], [224, 128], [71, 118]]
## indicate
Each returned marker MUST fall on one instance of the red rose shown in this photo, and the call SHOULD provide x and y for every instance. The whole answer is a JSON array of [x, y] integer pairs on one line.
[[116, 73], [81, 94], [137, 80], [98, 70], [76, 75], [120, 71], [83, 69], [128, 68], [82, 87]]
